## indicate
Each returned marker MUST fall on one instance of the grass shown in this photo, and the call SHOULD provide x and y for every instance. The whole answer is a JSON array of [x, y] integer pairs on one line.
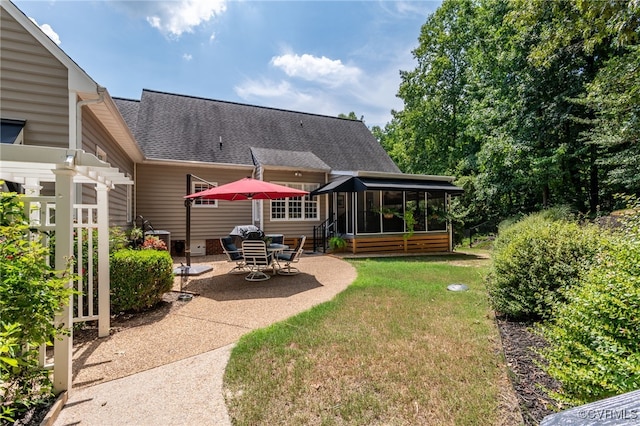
[[395, 348]]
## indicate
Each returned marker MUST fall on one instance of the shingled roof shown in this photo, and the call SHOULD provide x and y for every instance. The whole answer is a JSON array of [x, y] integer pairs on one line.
[[177, 127]]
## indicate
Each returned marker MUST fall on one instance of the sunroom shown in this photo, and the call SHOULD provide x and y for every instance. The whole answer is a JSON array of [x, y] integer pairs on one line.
[[388, 212]]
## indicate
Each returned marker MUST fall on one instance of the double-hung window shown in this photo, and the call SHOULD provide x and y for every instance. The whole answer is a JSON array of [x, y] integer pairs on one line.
[[296, 208], [201, 202]]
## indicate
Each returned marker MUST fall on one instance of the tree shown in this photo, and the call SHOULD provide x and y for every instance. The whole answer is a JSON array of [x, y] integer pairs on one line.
[[604, 34], [435, 94], [615, 96], [533, 103], [351, 116]]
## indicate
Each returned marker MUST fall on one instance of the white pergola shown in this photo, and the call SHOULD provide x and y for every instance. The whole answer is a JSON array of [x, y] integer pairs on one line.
[[32, 165]]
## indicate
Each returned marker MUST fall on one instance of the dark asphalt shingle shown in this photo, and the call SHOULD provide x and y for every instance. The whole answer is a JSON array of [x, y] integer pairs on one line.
[[178, 127]]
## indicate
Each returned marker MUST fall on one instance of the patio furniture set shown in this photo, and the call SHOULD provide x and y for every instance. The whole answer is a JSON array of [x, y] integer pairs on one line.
[[259, 253]]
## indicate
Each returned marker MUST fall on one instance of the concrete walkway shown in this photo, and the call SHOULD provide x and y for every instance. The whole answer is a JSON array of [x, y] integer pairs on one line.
[[166, 367]]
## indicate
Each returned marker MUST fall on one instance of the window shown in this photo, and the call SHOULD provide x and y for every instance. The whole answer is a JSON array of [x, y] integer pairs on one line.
[[415, 201], [203, 186], [368, 205], [11, 131], [391, 209], [296, 208], [436, 212]]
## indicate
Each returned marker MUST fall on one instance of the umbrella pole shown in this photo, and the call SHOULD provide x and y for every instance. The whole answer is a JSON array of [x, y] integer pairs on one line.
[[187, 204]]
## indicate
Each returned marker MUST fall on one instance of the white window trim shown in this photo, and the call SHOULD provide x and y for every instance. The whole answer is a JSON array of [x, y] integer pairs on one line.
[[201, 186], [304, 200]]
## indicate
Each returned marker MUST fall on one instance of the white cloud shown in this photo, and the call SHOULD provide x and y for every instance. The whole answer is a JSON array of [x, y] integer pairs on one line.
[[46, 28], [401, 8], [323, 86], [177, 17], [281, 94], [187, 56], [264, 89], [312, 68]]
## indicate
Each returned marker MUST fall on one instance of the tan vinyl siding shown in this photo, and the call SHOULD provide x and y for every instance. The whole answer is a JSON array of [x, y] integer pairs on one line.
[[295, 228], [95, 135], [160, 190], [33, 86]]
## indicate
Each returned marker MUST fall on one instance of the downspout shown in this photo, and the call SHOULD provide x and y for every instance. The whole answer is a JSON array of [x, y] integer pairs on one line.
[[101, 91], [135, 193], [257, 210]]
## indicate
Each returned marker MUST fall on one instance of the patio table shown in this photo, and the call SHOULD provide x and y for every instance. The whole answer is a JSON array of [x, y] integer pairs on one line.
[[274, 249]]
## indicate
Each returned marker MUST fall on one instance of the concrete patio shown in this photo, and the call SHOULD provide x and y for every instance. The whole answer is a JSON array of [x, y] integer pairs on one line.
[[166, 366]]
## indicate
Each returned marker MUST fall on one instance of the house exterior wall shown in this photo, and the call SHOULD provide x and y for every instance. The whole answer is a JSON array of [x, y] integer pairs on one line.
[[94, 135], [160, 189], [159, 198], [297, 227], [34, 86]]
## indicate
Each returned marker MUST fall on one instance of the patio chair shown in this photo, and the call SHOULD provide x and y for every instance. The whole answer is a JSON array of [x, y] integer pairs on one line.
[[234, 255], [257, 258], [291, 256]]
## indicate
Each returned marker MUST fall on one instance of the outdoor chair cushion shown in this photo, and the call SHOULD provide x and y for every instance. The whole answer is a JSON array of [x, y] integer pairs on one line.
[[287, 255], [231, 248]]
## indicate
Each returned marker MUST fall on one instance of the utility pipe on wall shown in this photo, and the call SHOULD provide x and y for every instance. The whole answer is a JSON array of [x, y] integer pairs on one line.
[[100, 91]]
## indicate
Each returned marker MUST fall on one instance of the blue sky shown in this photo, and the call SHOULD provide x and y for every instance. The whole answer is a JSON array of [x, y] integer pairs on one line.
[[323, 57]]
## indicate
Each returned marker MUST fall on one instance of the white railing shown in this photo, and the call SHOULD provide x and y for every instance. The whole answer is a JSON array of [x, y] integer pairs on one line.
[[41, 212], [85, 241]]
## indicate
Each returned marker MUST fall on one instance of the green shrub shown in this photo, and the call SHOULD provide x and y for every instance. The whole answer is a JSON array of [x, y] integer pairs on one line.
[[594, 350], [337, 243], [534, 260], [139, 278]]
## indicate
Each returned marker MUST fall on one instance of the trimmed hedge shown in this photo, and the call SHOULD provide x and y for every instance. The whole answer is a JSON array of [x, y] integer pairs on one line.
[[594, 347], [139, 278], [535, 260], [594, 350]]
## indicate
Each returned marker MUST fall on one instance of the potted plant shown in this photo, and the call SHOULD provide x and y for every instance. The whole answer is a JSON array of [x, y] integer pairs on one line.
[[337, 243], [387, 212], [136, 237]]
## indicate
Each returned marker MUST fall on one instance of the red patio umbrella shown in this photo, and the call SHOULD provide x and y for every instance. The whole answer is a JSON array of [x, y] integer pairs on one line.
[[243, 189], [248, 189]]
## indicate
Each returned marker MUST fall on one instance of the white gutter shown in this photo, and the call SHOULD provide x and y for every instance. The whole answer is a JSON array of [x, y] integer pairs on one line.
[[359, 173], [161, 161]]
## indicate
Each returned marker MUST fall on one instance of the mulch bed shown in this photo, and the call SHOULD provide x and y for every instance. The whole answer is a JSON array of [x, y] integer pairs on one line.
[[530, 382]]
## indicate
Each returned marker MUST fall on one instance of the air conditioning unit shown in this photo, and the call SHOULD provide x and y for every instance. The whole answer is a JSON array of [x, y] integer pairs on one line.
[[198, 248]]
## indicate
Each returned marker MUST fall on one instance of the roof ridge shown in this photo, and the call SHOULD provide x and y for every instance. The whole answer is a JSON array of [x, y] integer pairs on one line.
[[249, 105], [120, 98]]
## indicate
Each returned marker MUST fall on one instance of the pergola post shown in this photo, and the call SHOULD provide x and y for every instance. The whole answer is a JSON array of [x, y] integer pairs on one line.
[[63, 344], [104, 280], [187, 205]]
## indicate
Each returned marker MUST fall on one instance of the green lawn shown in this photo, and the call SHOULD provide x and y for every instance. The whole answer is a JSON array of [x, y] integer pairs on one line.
[[395, 348]]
